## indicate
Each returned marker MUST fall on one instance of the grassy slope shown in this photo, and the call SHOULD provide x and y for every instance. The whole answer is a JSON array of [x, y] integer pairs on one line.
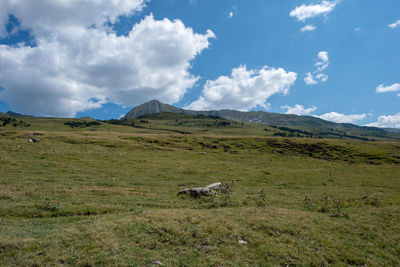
[[106, 195]]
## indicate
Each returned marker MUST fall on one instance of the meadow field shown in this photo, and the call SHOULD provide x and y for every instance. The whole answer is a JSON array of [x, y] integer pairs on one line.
[[107, 195]]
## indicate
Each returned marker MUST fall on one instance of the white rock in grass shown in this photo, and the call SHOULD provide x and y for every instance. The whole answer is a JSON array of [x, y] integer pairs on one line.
[[202, 191], [215, 186]]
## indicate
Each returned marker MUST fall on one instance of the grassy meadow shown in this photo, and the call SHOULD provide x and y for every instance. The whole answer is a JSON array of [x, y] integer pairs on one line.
[[107, 195]]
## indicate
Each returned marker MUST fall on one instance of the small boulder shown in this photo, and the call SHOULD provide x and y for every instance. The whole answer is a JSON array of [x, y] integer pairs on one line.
[[202, 191], [242, 242], [196, 192], [215, 186], [33, 140]]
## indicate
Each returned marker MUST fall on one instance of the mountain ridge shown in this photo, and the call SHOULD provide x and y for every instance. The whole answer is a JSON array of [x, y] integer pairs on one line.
[[267, 118]]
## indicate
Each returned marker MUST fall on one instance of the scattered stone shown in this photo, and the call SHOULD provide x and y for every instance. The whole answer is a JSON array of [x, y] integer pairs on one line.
[[157, 263], [33, 140], [215, 186], [202, 191], [202, 153], [196, 192], [242, 242]]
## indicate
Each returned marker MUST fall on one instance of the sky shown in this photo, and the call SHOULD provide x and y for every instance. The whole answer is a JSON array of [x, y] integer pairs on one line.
[[338, 60]]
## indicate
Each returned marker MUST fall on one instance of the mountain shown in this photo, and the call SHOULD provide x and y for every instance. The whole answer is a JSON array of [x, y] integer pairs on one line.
[[151, 107], [15, 114], [305, 123]]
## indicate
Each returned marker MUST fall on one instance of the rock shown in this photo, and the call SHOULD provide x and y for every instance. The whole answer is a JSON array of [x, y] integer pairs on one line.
[[202, 153], [242, 242], [33, 140], [202, 191], [157, 263], [215, 186], [196, 192]]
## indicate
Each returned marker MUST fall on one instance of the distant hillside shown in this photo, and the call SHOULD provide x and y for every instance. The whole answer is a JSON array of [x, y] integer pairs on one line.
[[15, 114], [393, 130], [304, 123], [152, 107]]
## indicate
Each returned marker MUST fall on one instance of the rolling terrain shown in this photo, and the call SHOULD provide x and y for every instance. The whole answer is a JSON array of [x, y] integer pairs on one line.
[[96, 193], [315, 126]]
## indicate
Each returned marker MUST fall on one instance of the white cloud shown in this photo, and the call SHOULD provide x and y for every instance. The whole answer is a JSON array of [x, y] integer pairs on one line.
[[321, 64], [395, 24], [309, 79], [299, 110], [308, 28], [44, 16], [244, 89], [390, 121], [392, 88], [75, 67], [342, 118], [323, 56], [304, 12], [3, 19], [322, 77]]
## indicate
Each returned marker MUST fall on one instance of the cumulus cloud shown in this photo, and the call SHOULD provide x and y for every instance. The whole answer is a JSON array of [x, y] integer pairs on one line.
[[298, 110], [323, 57], [308, 28], [76, 66], [44, 16], [318, 75], [342, 118], [384, 89], [304, 12], [3, 19], [309, 79], [395, 24], [390, 121], [244, 89]]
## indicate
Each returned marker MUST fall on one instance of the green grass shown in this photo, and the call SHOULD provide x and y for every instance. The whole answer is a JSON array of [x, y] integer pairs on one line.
[[107, 195]]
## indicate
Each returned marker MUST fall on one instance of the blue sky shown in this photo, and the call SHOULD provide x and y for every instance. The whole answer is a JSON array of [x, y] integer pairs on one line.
[[338, 60]]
